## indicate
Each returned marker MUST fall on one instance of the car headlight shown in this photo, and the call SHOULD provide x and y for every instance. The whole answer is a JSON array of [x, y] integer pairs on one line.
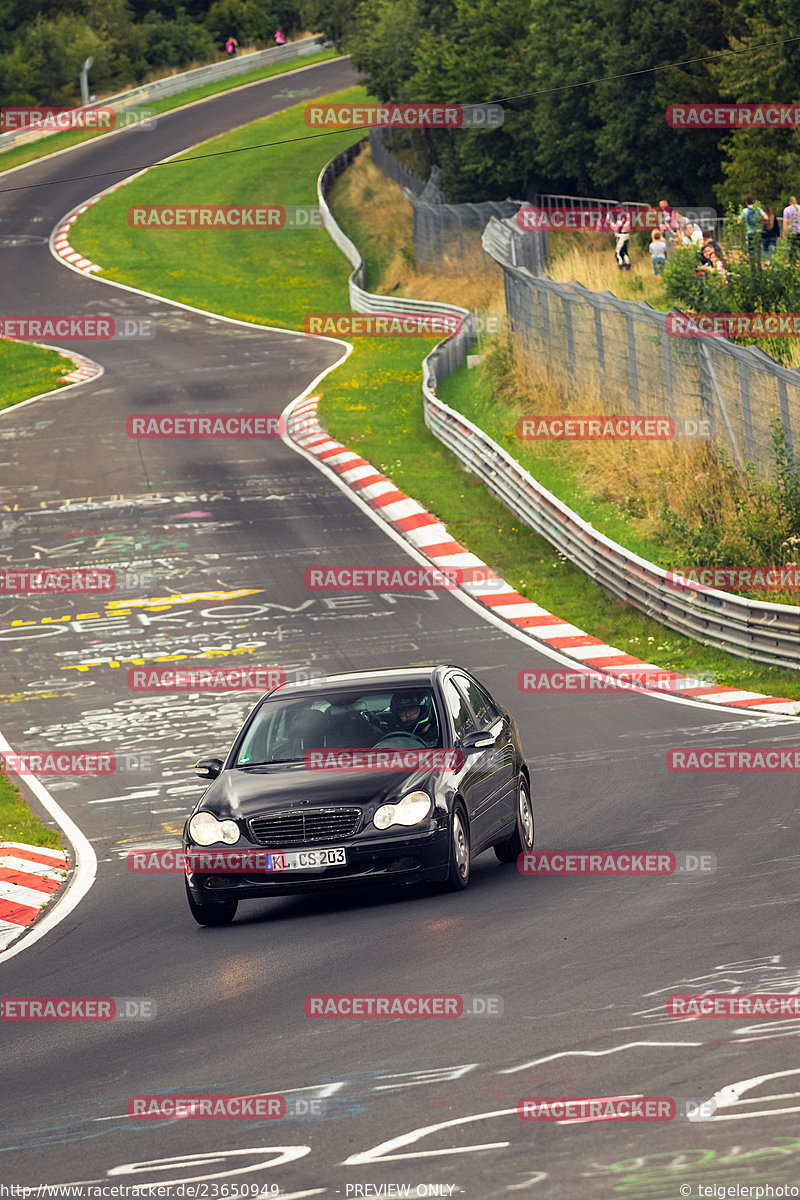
[[205, 829], [412, 809]]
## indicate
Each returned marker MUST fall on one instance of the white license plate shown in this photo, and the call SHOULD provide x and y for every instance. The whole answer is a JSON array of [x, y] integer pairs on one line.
[[306, 860]]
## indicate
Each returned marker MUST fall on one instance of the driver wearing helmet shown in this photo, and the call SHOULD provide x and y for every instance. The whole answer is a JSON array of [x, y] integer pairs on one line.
[[412, 712]]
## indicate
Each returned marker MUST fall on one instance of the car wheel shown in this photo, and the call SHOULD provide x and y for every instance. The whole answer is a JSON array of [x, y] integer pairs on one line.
[[521, 840], [221, 912], [458, 873]]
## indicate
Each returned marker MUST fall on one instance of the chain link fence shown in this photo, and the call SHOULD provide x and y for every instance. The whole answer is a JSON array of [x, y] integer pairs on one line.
[[593, 341], [447, 233], [596, 344]]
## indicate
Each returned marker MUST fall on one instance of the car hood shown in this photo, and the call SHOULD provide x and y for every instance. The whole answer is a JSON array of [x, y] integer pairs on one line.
[[239, 793]]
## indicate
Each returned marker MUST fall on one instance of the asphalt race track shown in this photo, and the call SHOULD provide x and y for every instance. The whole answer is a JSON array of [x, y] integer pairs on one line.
[[581, 965]]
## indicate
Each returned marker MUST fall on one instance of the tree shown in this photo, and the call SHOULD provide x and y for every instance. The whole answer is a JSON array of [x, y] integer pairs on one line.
[[335, 18], [760, 160], [44, 63]]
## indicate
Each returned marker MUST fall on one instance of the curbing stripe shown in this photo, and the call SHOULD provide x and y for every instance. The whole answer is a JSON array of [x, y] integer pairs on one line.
[[428, 535], [30, 876]]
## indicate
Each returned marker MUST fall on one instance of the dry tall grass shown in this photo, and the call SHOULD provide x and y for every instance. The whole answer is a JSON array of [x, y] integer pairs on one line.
[[639, 477], [473, 280], [589, 259]]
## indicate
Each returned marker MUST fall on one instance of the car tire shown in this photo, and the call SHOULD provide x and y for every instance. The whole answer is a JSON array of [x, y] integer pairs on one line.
[[458, 868], [521, 840], [221, 912]]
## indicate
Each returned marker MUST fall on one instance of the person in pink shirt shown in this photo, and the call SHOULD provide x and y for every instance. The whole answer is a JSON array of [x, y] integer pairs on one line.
[[791, 226]]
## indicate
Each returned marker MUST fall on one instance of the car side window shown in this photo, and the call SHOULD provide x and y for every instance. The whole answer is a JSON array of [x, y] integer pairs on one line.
[[486, 712], [459, 710]]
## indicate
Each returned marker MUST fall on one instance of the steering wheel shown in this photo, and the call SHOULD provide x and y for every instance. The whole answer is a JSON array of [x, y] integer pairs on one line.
[[390, 739]]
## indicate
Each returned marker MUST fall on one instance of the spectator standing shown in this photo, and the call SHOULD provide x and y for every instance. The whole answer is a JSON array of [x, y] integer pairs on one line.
[[231, 46], [280, 40], [658, 252], [752, 215], [791, 227], [769, 233], [621, 225], [667, 224]]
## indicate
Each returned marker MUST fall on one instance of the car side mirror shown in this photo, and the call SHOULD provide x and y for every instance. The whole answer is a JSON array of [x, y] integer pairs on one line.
[[477, 741], [208, 768]]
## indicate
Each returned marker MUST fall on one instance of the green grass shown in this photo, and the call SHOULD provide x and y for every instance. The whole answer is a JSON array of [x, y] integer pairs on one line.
[[28, 371], [17, 156], [372, 402], [470, 393], [274, 276], [18, 823]]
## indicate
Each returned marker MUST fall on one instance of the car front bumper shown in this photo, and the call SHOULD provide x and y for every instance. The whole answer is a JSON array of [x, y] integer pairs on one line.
[[404, 858]]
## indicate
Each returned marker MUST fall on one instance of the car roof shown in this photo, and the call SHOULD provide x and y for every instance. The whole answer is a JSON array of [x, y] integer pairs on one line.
[[389, 676]]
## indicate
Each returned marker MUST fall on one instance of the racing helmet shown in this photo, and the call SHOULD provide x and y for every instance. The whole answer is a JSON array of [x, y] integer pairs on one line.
[[405, 700]]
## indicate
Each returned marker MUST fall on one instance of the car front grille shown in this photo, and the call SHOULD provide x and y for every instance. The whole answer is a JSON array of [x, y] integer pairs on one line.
[[303, 826]]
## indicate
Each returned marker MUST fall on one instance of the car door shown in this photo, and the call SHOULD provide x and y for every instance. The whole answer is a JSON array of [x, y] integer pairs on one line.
[[488, 718], [478, 782]]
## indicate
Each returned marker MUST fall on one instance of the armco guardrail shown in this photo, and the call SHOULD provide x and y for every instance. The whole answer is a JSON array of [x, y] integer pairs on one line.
[[768, 633], [455, 349], [171, 85]]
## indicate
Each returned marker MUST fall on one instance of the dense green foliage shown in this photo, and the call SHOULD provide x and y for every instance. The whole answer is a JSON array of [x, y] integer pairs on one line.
[[752, 283], [763, 525], [608, 138], [45, 42]]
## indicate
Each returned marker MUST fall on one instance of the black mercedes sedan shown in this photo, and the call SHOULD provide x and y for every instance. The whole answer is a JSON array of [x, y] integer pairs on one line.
[[376, 777]]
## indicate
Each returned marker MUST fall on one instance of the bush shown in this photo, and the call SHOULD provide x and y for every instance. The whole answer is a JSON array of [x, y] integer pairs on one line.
[[754, 285], [740, 519]]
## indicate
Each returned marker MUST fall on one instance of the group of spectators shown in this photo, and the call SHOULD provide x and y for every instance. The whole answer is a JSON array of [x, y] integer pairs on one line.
[[762, 230], [673, 230]]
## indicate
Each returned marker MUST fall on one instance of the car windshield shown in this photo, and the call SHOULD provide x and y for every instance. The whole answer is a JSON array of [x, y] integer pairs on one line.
[[285, 729]]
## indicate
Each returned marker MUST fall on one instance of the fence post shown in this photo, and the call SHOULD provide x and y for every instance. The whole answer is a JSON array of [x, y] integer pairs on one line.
[[545, 318], [570, 337], [666, 360], [786, 420], [633, 366], [598, 337], [712, 374], [747, 416]]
